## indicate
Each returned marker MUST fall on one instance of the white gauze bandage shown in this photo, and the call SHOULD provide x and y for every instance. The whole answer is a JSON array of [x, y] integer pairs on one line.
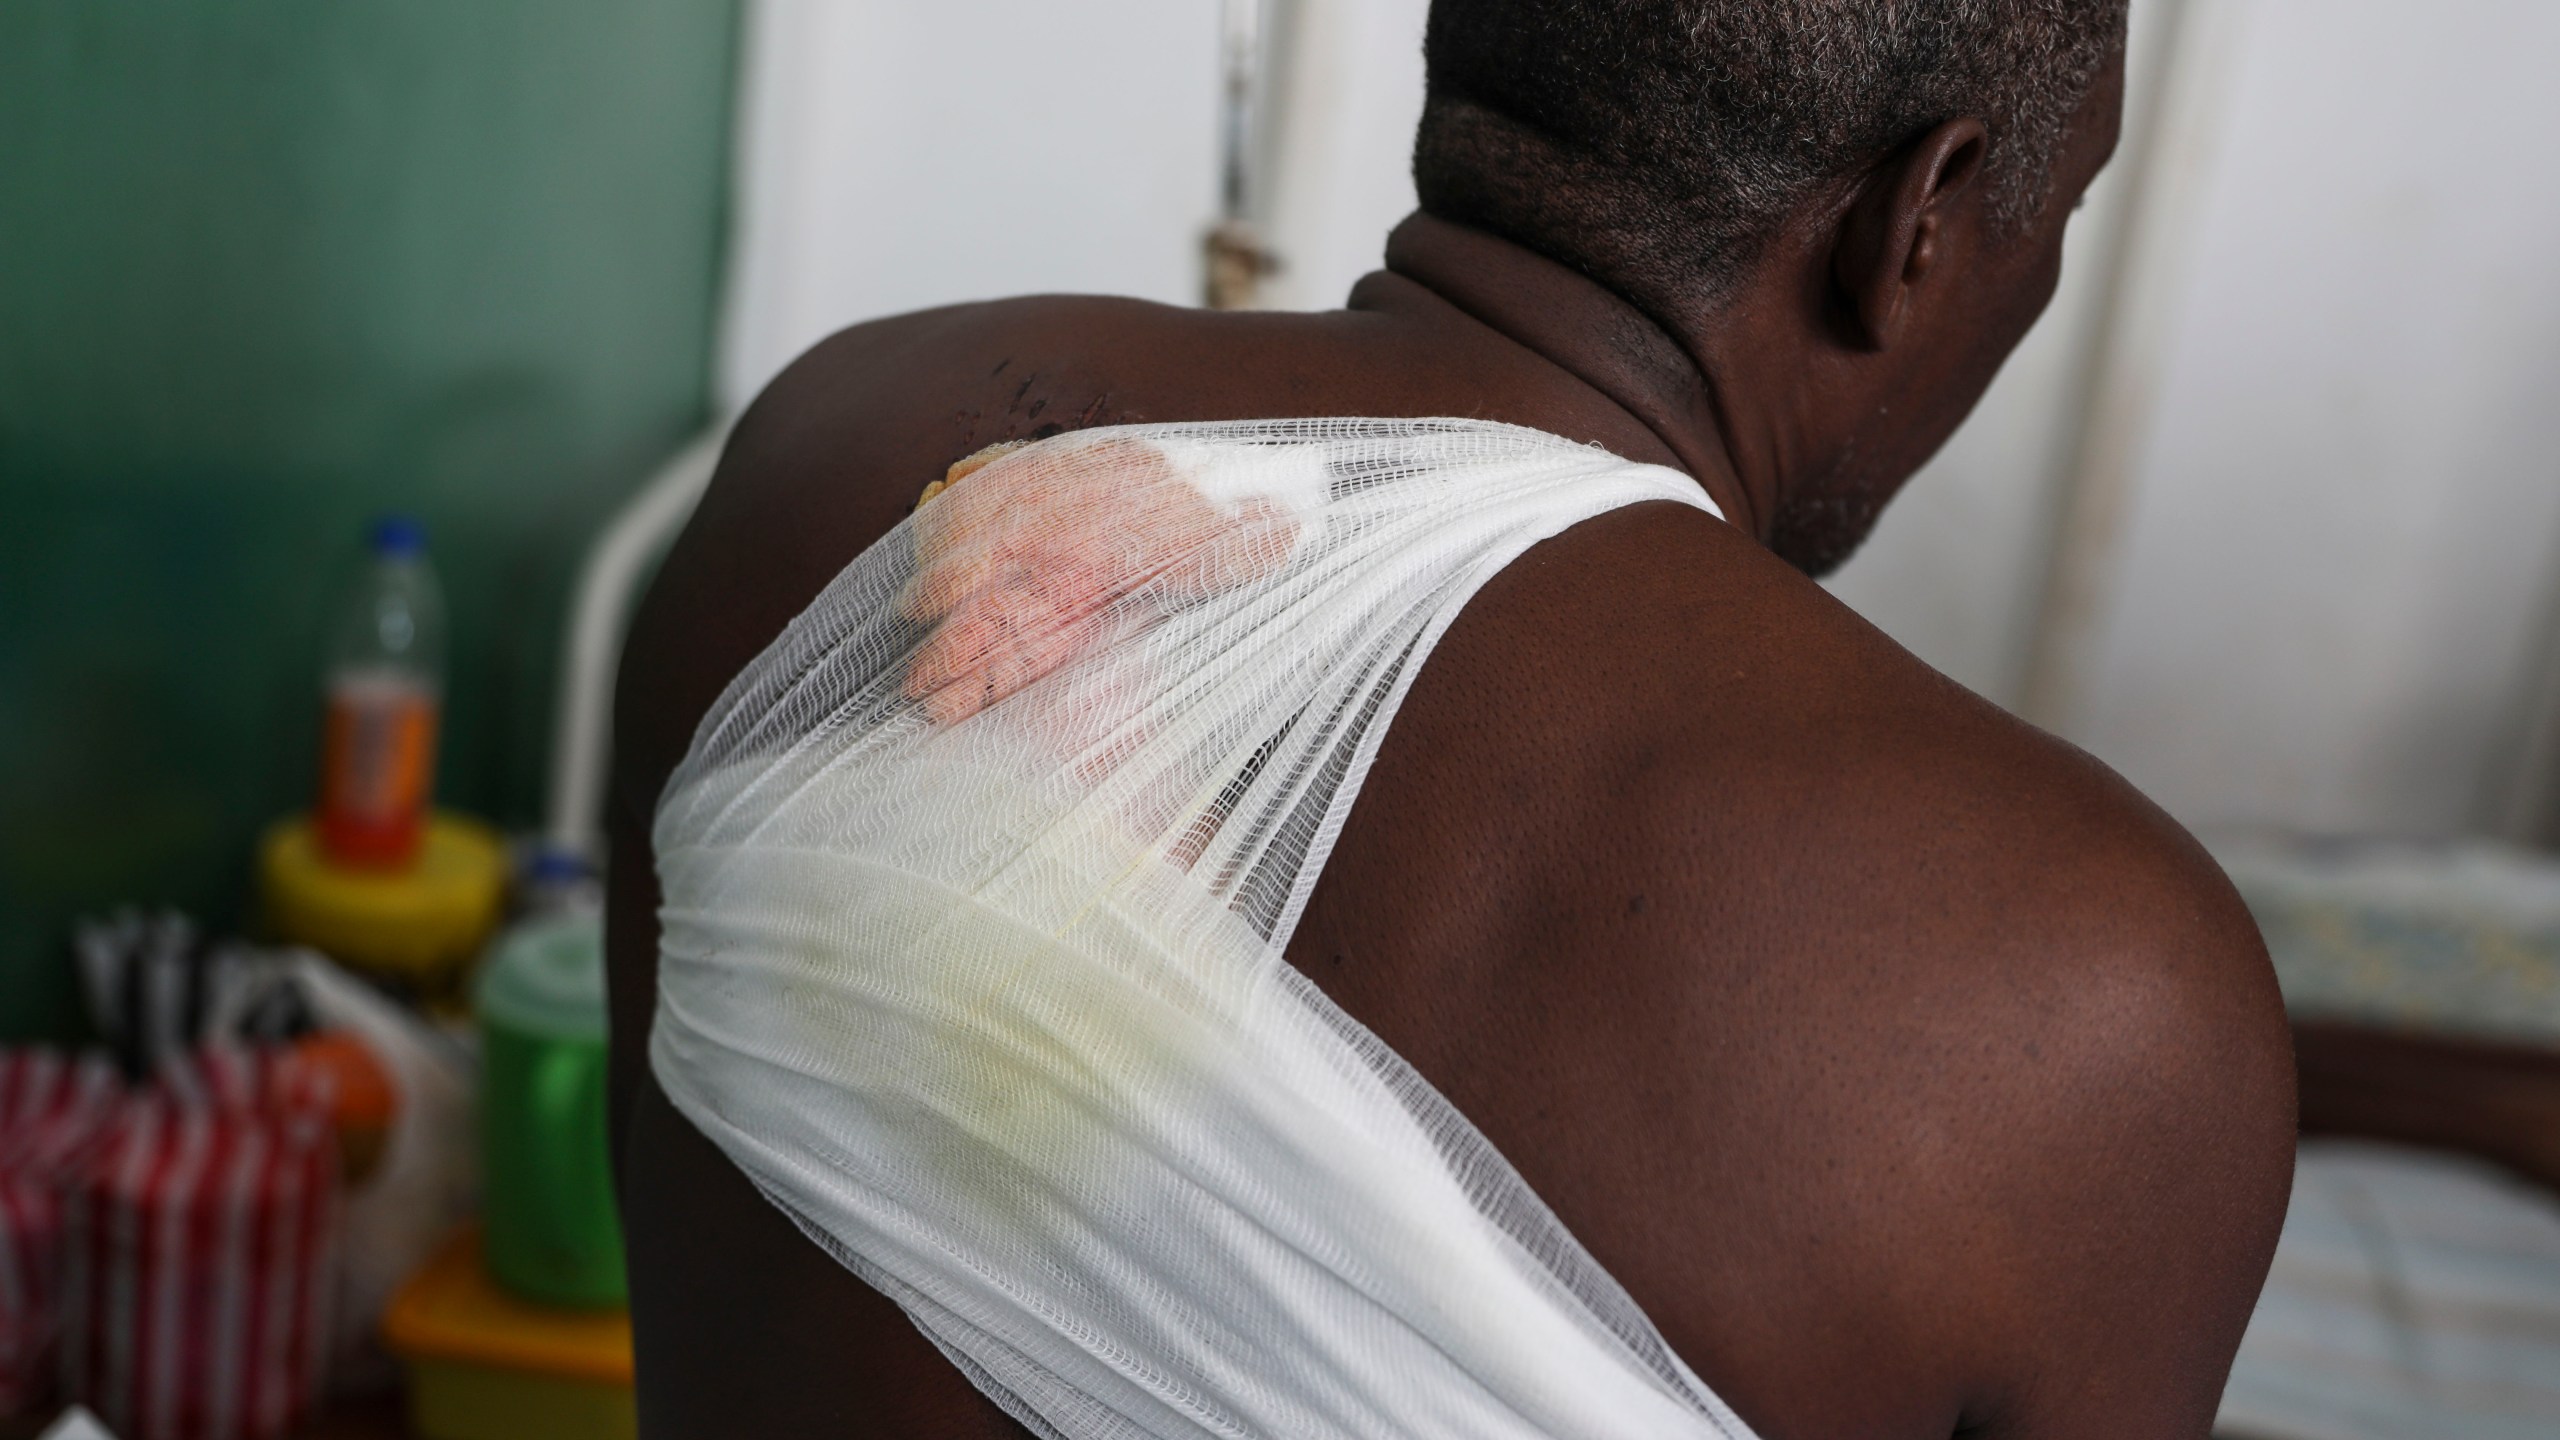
[[977, 885]]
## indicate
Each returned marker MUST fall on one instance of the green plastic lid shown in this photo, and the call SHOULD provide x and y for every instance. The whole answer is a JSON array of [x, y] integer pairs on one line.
[[546, 978]]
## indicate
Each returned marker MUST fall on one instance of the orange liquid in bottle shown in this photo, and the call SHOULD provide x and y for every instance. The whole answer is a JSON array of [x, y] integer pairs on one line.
[[377, 768]]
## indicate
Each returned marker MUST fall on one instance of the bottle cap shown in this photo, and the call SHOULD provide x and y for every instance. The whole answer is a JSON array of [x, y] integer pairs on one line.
[[554, 865], [399, 537]]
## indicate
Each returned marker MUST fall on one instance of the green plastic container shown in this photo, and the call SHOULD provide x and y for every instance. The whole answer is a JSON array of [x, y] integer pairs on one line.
[[552, 1232]]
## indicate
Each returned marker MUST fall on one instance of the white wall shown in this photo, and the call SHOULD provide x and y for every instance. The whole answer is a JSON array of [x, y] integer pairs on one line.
[[898, 154], [2336, 567]]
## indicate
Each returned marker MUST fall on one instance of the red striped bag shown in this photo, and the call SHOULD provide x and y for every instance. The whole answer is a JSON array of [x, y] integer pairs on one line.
[[52, 1107], [200, 1254]]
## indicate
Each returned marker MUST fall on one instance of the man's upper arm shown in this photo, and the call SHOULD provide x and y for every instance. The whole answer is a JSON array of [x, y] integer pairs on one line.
[[2136, 1172], [2048, 1046], [787, 507]]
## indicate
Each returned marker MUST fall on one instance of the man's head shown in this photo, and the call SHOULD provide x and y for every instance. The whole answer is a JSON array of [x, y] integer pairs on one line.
[[1707, 158]]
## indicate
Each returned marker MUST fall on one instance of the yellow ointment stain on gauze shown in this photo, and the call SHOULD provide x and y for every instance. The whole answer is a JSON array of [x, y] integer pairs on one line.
[[1040, 1048], [1047, 1049]]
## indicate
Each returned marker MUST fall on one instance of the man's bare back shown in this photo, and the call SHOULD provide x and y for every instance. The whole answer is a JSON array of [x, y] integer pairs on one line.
[[1912, 1073]]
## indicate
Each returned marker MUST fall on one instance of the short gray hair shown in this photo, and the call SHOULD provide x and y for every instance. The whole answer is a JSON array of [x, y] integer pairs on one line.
[[1656, 144]]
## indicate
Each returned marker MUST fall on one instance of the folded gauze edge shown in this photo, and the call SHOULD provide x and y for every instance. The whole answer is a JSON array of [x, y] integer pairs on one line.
[[977, 883]]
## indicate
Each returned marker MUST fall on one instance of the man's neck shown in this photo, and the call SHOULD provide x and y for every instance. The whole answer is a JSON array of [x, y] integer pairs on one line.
[[1592, 334]]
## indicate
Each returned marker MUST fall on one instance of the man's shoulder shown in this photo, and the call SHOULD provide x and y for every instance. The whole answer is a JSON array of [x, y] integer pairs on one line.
[[1956, 1026], [1750, 695], [835, 450], [1652, 705], [890, 403], [832, 454], [2036, 1032], [2050, 1024], [1998, 873], [972, 374]]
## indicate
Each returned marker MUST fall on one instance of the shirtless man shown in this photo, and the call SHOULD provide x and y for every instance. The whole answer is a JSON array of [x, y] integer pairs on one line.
[[1913, 1073]]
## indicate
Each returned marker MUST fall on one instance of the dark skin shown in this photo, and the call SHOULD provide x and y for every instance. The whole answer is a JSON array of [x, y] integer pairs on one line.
[[2499, 1101], [1913, 1073]]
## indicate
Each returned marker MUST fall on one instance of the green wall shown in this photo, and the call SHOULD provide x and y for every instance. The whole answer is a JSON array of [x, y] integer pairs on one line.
[[268, 267]]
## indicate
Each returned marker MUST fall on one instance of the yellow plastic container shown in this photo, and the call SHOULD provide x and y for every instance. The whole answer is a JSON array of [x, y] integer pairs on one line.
[[417, 927], [486, 1366]]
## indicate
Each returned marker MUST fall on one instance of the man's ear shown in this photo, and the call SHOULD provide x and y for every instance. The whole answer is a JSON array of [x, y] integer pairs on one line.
[[1893, 235]]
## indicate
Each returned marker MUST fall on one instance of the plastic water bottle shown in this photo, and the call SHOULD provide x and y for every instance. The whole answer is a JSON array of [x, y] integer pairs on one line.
[[385, 691]]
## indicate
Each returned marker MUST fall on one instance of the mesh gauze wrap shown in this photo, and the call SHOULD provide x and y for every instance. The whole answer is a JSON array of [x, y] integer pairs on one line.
[[977, 884]]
